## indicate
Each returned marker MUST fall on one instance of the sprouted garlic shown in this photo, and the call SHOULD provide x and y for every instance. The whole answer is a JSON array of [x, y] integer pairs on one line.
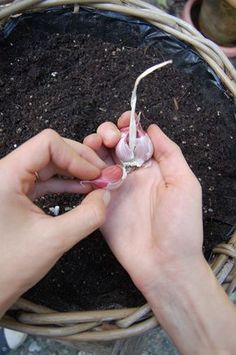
[[132, 125], [134, 148]]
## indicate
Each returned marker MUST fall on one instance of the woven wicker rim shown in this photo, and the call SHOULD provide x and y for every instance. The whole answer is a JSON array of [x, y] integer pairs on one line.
[[109, 325]]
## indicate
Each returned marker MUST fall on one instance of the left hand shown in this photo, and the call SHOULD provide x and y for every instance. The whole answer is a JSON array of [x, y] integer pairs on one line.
[[154, 220], [31, 241], [154, 227]]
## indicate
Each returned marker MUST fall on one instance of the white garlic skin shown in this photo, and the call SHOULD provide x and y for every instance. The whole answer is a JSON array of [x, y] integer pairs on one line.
[[123, 151], [143, 147]]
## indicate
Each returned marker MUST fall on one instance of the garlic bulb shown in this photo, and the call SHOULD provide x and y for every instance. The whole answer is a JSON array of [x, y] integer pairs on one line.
[[143, 148], [134, 148]]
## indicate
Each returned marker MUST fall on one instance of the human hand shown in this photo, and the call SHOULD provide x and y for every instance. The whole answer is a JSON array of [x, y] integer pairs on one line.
[[154, 227], [31, 241], [154, 220]]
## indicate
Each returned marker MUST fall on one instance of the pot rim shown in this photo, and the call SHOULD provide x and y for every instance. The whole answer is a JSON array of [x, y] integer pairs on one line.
[[186, 16]]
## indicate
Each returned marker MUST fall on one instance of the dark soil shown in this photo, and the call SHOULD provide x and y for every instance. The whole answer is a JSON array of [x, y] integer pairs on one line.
[[72, 83]]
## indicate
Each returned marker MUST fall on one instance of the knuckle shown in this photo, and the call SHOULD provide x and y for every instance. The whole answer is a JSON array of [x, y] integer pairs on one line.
[[177, 149], [49, 134]]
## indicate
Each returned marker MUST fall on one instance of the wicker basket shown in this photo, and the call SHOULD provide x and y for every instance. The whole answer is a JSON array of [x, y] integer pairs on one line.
[[109, 325]]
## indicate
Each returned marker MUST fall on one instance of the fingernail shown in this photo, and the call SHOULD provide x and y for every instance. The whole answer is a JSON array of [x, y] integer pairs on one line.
[[111, 134], [106, 197]]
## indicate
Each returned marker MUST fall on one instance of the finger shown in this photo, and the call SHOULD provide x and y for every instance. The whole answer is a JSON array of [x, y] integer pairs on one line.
[[86, 153], [95, 142], [55, 186], [110, 134], [124, 119], [48, 147], [82, 220], [168, 155]]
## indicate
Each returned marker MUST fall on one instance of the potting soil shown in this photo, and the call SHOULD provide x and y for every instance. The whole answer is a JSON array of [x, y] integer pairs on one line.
[[71, 79]]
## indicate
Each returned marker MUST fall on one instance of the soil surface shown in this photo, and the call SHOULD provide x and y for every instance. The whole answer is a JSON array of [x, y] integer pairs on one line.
[[72, 82]]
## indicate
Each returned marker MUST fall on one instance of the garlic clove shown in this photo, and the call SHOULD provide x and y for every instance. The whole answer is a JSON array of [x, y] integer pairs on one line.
[[122, 149], [143, 150], [111, 178]]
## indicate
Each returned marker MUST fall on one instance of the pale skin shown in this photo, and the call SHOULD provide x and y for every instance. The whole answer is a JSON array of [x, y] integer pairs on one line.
[[153, 225], [154, 228], [31, 242]]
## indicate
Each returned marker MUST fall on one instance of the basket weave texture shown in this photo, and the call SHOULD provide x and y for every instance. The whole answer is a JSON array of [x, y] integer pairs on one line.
[[109, 325]]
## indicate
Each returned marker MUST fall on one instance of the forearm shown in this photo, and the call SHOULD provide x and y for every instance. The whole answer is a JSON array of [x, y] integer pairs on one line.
[[194, 310], [6, 300], [11, 288]]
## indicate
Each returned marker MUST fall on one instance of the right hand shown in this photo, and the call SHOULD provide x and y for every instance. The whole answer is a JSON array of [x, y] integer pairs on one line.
[[154, 220], [31, 241]]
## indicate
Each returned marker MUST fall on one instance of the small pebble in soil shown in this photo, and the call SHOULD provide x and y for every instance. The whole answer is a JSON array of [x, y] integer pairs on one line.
[[55, 210], [34, 347]]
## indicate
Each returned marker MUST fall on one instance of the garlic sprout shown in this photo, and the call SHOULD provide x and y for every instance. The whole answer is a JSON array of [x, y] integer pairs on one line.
[[132, 125]]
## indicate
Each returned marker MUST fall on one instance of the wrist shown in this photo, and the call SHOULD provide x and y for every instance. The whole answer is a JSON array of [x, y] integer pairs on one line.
[[9, 294], [178, 277], [193, 308], [168, 272]]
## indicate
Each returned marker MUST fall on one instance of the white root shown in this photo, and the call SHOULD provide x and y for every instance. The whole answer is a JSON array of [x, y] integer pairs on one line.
[[132, 125]]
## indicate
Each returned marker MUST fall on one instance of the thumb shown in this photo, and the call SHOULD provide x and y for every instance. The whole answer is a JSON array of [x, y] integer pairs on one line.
[[82, 220]]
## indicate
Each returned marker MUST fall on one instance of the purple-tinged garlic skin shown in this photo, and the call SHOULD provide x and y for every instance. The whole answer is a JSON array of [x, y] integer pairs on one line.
[[113, 176], [110, 179], [143, 147], [122, 149]]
